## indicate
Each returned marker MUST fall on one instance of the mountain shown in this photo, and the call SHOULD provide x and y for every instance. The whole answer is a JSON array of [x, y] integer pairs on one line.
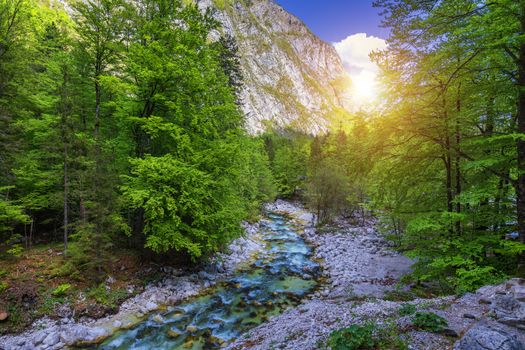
[[292, 78]]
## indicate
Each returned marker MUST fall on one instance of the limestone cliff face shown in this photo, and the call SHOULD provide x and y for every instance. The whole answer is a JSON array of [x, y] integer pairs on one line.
[[292, 78]]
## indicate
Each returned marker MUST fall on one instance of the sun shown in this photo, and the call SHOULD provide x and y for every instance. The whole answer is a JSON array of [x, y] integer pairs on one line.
[[364, 87]]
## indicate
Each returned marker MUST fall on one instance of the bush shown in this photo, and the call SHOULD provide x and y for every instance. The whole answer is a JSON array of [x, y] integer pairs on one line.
[[3, 286], [353, 337], [429, 321], [407, 309], [61, 290], [367, 336]]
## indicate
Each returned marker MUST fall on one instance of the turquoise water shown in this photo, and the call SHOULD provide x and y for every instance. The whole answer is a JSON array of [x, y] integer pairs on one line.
[[279, 277]]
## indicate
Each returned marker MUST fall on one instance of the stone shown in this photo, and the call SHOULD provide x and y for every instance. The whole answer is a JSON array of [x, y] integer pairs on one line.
[[3, 315], [79, 335], [470, 316], [172, 333], [117, 324], [508, 310], [51, 339], [158, 319], [39, 337], [448, 332], [150, 306], [487, 337], [192, 329], [518, 292]]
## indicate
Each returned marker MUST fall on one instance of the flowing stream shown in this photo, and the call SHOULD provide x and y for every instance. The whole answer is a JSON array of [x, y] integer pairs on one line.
[[278, 277]]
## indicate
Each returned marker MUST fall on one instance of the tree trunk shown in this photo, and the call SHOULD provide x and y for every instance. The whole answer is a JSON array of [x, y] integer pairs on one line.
[[520, 185], [66, 195], [31, 232], [457, 162]]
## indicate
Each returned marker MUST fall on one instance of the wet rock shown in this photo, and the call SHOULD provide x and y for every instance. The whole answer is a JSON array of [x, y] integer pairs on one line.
[[158, 319], [192, 329], [82, 335], [172, 333], [487, 337]]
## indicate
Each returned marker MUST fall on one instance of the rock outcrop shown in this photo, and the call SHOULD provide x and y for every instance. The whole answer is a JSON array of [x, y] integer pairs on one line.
[[292, 78], [488, 337]]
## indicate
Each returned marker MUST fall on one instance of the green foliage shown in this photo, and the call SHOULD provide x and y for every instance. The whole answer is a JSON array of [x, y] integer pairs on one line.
[[367, 336], [407, 309], [3, 286], [469, 280], [181, 208], [287, 155], [105, 296], [429, 321], [221, 4], [353, 338], [61, 290], [445, 179]]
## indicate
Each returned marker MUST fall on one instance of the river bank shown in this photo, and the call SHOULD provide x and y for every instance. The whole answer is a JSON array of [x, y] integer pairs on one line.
[[361, 272], [177, 285]]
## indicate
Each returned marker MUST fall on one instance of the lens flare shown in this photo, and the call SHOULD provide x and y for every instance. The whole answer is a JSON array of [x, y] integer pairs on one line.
[[364, 87]]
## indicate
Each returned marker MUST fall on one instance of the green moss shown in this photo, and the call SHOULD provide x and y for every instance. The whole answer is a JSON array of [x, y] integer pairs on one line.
[[61, 290], [222, 4]]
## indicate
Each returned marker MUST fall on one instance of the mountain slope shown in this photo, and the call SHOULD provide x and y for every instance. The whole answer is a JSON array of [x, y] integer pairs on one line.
[[292, 78]]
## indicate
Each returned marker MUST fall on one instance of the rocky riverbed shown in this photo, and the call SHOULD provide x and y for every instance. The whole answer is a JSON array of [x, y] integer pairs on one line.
[[359, 270]]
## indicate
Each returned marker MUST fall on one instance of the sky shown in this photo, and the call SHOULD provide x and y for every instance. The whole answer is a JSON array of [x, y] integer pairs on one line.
[[334, 20], [353, 27]]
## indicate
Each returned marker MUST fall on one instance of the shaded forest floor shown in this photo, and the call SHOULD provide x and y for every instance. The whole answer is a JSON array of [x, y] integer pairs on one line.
[[31, 286]]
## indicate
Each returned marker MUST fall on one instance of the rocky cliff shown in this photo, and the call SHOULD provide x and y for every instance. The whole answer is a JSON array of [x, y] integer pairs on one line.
[[292, 78]]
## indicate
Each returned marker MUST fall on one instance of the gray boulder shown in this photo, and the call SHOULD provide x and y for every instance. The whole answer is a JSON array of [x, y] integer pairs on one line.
[[78, 334], [488, 337], [508, 310]]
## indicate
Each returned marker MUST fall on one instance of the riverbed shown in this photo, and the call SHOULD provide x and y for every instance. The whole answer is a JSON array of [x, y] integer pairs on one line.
[[277, 278]]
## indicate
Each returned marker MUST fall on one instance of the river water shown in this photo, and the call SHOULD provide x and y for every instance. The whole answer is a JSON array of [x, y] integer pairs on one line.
[[278, 278]]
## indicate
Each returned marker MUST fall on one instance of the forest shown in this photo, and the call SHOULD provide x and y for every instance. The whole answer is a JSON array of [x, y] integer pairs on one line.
[[121, 134]]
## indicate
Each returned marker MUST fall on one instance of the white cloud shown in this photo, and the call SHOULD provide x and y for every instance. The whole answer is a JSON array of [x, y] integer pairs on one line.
[[355, 51]]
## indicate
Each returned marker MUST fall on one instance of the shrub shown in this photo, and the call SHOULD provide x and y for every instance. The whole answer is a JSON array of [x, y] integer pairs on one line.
[[353, 337], [407, 309], [3, 286], [429, 321], [61, 290], [367, 336]]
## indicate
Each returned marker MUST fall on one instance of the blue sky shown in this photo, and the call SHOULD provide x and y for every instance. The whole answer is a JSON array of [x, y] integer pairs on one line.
[[334, 20]]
